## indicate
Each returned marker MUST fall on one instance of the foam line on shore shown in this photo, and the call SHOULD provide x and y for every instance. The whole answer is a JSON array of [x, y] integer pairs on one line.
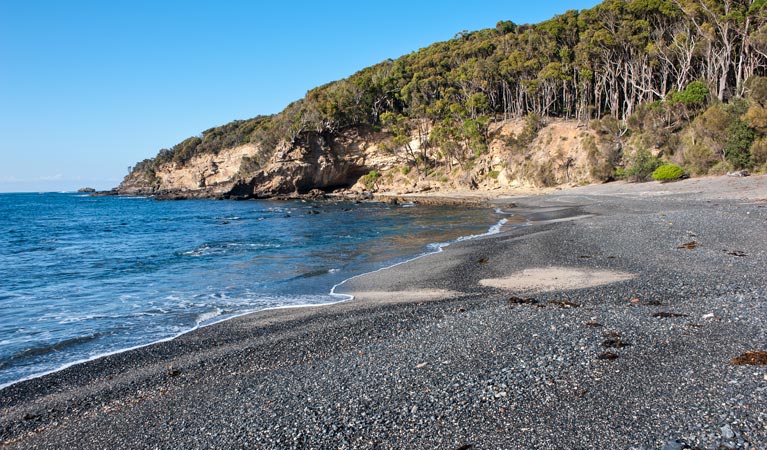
[[438, 248]]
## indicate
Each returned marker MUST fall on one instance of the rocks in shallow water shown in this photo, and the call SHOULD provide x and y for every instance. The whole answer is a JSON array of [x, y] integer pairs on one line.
[[751, 358], [692, 245], [315, 193], [312, 212]]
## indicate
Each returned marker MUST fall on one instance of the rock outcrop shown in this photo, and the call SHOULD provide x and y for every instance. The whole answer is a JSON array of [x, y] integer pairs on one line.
[[356, 161], [319, 162]]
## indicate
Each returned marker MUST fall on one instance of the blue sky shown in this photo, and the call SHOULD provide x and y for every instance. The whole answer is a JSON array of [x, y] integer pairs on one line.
[[88, 88]]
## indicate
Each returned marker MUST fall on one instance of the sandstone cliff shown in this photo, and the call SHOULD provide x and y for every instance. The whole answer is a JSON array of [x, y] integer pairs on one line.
[[354, 161]]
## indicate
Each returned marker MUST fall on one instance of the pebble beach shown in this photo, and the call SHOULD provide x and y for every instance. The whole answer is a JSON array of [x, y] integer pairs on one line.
[[608, 316]]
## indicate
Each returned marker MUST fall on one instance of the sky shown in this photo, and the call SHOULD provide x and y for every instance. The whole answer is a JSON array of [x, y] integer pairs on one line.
[[89, 88]]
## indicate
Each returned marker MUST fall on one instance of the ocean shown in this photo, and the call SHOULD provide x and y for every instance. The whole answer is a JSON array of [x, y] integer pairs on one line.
[[83, 276]]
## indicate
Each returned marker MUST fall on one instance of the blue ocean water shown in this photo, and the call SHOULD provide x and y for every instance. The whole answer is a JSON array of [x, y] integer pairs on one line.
[[84, 276]]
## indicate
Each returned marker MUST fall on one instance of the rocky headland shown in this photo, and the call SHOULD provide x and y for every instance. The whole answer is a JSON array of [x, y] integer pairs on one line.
[[563, 153], [617, 91]]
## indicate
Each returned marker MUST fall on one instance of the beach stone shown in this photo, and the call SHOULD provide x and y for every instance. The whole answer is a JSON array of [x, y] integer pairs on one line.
[[727, 432], [676, 444]]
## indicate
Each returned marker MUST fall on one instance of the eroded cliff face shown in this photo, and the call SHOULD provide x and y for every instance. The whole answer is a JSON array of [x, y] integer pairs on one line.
[[354, 161], [205, 175], [318, 162], [561, 153]]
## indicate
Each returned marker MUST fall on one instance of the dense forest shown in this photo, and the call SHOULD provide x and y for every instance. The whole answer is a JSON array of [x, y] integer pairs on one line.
[[680, 80]]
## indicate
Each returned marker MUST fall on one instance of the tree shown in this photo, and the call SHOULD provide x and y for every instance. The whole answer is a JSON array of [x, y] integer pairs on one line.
[[693, 96]]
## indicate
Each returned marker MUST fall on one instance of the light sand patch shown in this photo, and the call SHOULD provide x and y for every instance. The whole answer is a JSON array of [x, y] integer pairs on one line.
[[547, 279], [409, 296]]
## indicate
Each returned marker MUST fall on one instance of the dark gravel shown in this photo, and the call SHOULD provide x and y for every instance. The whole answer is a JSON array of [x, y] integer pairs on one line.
[[473, 371]]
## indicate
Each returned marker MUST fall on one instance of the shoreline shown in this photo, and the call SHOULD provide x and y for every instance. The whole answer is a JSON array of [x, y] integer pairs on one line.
[[434, 310], [495, 228]]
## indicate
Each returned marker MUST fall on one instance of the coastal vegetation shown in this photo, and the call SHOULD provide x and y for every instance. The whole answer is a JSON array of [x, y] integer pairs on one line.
[[668, 172], [658, 81]]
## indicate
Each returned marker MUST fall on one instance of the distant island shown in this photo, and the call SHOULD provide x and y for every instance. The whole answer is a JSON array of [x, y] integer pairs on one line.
[[612, 92], [86, 190]]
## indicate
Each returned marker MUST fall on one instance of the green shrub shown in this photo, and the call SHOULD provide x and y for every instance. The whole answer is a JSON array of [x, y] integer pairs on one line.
[[371, 178], [668, 172], [721, 168], [740, 137], [699, 158], [405, 170], [641, 165], [493, 174], [759, 151], [695, 94]]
